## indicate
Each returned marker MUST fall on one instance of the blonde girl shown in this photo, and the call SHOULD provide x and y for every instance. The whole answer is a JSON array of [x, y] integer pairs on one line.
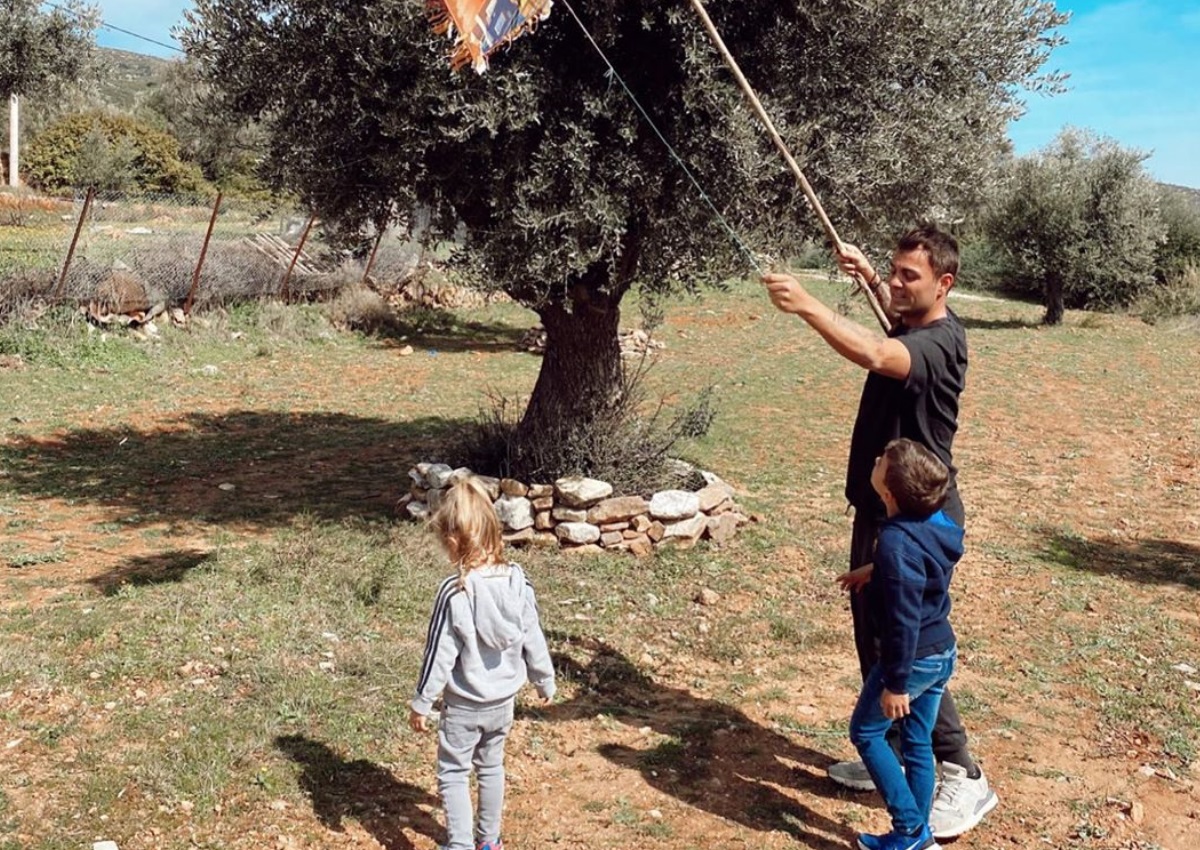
[[484, 642]]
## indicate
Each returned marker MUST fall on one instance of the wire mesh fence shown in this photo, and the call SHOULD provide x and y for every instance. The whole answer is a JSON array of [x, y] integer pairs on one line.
[[121, 252]]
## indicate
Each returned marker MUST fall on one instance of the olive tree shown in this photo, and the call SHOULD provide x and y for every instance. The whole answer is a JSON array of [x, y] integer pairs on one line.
[[1078, 223], [564, 195]]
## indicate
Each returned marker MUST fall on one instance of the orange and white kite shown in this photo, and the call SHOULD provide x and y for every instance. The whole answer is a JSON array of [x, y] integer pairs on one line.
[[480, 27]]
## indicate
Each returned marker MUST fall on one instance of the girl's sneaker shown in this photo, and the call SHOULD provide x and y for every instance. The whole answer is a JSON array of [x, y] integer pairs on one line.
[[898, 841], [490, 845]]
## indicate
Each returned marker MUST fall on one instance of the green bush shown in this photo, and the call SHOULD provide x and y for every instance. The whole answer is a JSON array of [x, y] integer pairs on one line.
[[1171, 299], [109, 152], [983, 265]]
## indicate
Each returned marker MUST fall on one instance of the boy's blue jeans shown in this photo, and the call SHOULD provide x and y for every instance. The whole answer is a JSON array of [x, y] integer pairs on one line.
[[908, 793]]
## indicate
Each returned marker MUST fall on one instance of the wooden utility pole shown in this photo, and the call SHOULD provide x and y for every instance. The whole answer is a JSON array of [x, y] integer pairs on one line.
[[14, 141]]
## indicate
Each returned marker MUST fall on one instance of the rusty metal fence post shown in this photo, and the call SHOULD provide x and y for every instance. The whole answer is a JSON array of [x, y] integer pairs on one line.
[[60, 288], [284, 293], [371, 259], [191, 296]]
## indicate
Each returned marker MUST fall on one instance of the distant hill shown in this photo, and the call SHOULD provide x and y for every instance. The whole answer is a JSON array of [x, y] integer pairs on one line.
[[1192, 195], [127, 78]]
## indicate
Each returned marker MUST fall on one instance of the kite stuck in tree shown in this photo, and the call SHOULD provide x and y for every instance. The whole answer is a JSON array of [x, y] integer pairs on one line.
[[479, 27]]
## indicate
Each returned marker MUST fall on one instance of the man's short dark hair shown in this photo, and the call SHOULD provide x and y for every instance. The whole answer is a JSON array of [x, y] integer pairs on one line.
[[941, 246], [917, 479]]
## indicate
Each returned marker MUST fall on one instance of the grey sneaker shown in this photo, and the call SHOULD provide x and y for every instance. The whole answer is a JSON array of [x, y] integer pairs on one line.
[[852, 774], [960, 802]]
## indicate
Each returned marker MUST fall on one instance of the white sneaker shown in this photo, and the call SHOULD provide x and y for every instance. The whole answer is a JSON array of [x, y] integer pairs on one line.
[[852, 774], [960, 802]]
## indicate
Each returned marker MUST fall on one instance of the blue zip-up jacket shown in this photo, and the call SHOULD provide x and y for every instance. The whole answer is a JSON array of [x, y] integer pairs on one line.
[[910, 592]]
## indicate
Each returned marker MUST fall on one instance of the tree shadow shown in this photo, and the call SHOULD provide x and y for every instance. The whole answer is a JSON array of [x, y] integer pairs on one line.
[[715, 758], [363, 791], [151, 569], [1010, 324], [1152, 561], [257, 468], [436, 331]]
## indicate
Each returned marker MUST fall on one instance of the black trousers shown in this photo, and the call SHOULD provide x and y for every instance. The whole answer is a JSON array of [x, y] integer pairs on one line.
[[949, 736]]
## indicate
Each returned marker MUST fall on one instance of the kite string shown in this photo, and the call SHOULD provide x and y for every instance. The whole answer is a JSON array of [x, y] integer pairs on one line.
[[613, 74]]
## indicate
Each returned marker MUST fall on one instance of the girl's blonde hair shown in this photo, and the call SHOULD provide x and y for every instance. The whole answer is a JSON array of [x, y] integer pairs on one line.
[[467, 519]]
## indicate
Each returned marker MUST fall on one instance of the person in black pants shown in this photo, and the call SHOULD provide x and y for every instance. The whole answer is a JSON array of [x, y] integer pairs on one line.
[[915, 376]]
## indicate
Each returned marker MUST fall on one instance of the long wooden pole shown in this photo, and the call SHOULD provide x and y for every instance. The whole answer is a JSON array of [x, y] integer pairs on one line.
[[813, 201], [191, 296], [60, 289]]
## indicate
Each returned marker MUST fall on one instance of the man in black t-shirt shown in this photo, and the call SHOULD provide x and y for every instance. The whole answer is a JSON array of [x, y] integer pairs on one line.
[[915, 377]]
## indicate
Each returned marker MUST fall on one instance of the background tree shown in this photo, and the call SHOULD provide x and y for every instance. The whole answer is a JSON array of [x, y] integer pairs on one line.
[[227, 148], [566, 196], [1079, 223], [109, 152], [43, 52]]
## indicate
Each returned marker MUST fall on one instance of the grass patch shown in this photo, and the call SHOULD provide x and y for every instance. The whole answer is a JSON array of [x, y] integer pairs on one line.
[[233, 662]]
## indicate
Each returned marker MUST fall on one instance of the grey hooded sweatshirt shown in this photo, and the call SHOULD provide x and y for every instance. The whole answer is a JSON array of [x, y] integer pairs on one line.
[[484, 641]]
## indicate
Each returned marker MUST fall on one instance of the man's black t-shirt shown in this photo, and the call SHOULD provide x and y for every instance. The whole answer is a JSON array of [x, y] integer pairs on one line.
[[923, 408]]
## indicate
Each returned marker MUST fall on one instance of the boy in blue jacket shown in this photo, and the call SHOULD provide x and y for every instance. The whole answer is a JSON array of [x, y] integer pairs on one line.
[[909, 592]]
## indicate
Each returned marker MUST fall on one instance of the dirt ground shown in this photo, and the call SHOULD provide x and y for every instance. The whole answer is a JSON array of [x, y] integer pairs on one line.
[[1045, 446]]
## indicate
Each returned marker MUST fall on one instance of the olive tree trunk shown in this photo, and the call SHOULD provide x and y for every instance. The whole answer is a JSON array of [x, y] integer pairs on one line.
[[580, 376]]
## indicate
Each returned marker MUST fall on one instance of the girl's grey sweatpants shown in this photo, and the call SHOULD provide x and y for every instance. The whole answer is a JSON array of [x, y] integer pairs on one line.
[[467, 737]]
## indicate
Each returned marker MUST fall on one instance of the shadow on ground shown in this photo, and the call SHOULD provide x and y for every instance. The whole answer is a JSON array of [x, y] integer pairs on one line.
[[363, 791], [1147, 561], [162, 568], [441, 331], [973, 324], [238, 468], [716, 758]]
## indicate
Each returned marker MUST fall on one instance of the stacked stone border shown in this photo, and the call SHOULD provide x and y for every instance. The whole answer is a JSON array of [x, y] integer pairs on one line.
[[581, 514]]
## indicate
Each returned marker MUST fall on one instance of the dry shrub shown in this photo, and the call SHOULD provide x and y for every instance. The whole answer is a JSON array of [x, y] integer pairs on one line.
[[24, 295], [632, 446], [359, 308]]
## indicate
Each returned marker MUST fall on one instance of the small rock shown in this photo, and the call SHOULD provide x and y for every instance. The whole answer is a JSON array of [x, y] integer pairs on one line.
[[578, 492], [707, 596], [104, 845], [519, 538], [516, 513], [512, 487], [619, 509], [674, 505], [577, 532], [641, 548], [227, 487], [438, 475], [406, 351], [1137, 812], [564, 514]]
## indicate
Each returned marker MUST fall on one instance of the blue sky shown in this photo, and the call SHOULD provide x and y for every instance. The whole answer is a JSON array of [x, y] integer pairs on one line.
[[1134, 67]]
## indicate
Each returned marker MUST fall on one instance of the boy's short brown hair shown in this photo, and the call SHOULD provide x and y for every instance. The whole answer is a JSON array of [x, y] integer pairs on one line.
[[917, 479]]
